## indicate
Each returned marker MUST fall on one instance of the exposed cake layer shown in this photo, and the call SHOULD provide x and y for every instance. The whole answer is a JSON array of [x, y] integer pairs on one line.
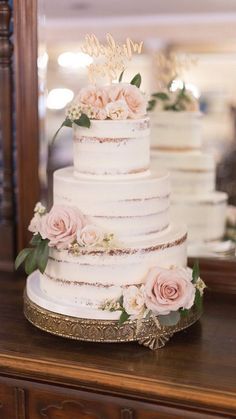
[[128, 208], [190, 171], [87, 280], [176, 130], [108, 147], [204, 215]]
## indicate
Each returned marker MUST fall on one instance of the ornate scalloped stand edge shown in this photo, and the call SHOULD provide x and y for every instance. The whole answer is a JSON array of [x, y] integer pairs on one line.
[[146, 332]]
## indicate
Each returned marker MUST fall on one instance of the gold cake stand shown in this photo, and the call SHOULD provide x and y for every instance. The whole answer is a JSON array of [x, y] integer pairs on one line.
[[145, 332]]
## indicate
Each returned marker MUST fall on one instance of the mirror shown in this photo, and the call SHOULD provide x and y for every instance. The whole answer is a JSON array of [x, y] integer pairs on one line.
[[205, 31]]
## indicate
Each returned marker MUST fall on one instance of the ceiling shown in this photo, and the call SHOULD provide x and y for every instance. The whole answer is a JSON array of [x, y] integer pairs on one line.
[[104, 8]]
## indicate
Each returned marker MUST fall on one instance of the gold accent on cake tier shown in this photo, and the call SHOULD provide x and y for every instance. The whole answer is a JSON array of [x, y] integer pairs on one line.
[[146, 332]]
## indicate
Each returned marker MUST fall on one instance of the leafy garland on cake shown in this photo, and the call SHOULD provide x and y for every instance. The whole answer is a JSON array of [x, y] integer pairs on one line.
[[115, 101], [62, 228], [166, 295]]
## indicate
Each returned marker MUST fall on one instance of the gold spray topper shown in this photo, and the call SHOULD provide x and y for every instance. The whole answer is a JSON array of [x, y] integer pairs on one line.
[[113, 56]]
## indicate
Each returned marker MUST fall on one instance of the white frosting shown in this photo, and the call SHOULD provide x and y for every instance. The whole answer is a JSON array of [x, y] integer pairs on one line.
[[176, 130], [85, 281], [191, 171], [108, 147], [203, 214], [129, 208]]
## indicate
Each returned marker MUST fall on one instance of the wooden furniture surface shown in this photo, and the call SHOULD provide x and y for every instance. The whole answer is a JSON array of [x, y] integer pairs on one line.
[[43, 376]]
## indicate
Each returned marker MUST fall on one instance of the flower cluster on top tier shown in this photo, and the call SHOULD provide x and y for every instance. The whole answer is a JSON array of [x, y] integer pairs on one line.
[[116, 101], [166, 294], [64, 228], [178, 100]]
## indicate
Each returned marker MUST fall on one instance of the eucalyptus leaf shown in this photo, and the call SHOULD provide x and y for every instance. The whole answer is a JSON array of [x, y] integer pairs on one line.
[[22, 256], [42, 255], [36, 239], [121, 76], [136, 81], [195, 272], [170, 319], [31, 262], [184, 312], [66, 123], [123, 317], [198, 300], [83, 121], [161, 96], [151, 104]]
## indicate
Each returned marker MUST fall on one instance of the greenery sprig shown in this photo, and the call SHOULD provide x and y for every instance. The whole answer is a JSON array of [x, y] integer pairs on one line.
[[35, 257], [82, 121], [179, 104]]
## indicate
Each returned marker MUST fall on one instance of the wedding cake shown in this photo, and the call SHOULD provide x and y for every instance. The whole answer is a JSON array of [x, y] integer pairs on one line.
[[106, 251], [176, 142]]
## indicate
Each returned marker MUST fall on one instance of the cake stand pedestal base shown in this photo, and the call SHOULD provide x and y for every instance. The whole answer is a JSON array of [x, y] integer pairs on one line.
[[147, 332]]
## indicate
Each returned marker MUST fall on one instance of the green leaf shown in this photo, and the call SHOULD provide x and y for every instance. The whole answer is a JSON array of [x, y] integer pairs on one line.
[[123, 317], [151, 104], [195, 272], [184, 312], [198, 300], [121, 299], [66, 123], [42, 251], [21, 257], [170, 319], [136, 81], [83, 121], [161, 96], [31, 262], [36, 239], [121, 76]]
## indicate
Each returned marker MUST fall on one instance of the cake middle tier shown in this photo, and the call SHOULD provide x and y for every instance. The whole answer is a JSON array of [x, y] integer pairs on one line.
[[112, 147], [130, 209]]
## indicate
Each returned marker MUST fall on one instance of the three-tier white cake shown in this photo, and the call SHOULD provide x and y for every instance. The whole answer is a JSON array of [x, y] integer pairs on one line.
[[111, 184]]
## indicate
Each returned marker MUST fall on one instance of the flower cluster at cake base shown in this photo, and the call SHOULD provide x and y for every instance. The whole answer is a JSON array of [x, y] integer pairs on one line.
[[166, 295], [63, 228]]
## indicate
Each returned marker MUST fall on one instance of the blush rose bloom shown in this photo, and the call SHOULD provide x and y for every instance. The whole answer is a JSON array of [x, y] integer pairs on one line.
[[117, 110], [135, 100], [169, 290], [93, 96], [90, 235], [60, 226], [133, 301]]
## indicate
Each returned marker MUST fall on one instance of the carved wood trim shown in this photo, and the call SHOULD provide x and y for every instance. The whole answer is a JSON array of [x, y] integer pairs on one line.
[[20, 403], [126, 413], [6, 123], [26, 94], [66, 406]]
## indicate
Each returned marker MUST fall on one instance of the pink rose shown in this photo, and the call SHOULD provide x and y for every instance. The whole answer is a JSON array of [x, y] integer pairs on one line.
[[135, 100], [169, 290], [117, 110], [35, 223], [93, 96], [60, 226], [90, 235]]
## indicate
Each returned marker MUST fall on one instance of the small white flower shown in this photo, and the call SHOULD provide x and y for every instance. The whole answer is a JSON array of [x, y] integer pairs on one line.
[[90, 235], [200, 285], [35, 223], [117, 110], [134, 301], [39, 208]]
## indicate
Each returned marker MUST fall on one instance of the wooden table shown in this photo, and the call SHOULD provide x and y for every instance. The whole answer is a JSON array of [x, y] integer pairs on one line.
[[43, 376]]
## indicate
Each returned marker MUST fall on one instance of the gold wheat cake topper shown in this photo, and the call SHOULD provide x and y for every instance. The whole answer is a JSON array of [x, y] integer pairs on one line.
[[112, 56]]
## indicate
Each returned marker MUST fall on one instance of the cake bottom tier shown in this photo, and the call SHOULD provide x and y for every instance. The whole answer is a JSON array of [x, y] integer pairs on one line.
[[204, 215], [84, 283]]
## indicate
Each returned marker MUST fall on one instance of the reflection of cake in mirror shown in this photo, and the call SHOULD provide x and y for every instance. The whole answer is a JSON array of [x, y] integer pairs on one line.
[[176, 141]]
